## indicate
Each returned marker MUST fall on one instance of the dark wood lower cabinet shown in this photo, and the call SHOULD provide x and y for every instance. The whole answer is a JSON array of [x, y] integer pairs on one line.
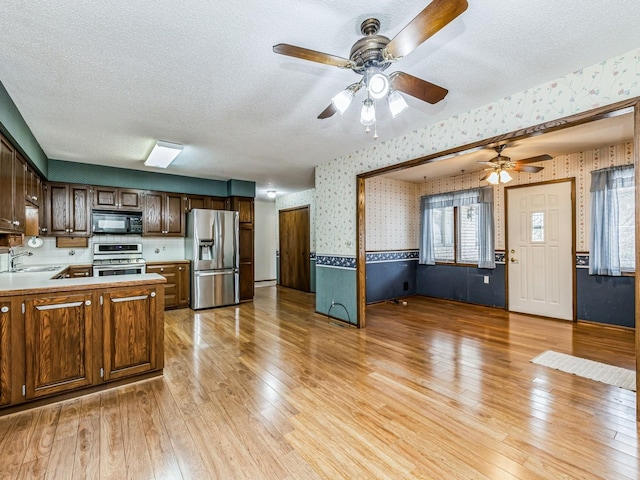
[[58, 330], [131, 335], [59, 343], [177, 288], [5, 352]]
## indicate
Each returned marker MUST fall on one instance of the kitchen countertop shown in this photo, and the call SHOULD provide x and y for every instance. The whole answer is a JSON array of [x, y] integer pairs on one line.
[[27, 283]]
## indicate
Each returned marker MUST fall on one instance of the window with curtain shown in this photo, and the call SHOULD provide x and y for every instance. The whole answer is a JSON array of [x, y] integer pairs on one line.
[[457, 227], [612, 249]]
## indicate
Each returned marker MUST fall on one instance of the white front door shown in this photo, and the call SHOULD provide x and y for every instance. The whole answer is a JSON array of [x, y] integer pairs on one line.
[[539, 253]]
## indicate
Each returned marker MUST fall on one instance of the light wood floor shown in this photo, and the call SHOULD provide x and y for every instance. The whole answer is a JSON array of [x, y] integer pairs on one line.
[[270, 390]]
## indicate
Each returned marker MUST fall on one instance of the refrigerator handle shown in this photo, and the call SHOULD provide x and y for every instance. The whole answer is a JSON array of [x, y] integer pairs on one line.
[[210, 273]]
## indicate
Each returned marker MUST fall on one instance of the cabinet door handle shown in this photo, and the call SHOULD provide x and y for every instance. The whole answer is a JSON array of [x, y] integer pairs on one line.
[[16, 223], [71, 230], [34, 198], [162, 269], [87, 303], [4, 309], [153, 294]]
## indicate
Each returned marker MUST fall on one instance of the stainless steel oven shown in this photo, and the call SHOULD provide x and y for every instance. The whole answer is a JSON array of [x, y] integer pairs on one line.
[[117, 259]]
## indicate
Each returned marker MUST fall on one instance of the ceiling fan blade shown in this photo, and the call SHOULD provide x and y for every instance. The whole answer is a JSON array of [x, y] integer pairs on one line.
[[539, 158], [327, 112], [490, 163], [428, 22], [312, 55], [527, 168], [416, 87]]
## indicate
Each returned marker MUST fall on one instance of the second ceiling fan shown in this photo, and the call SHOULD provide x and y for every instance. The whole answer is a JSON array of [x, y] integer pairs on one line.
[[500, 166], [372, 54]]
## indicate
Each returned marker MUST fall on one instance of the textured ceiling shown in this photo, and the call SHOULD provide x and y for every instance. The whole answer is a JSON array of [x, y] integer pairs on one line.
[[99, 82]]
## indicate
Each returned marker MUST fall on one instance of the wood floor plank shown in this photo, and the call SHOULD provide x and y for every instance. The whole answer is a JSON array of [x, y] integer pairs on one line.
[[41, 441], [137, 456], [113, 463], [157, 439], [61, 459]]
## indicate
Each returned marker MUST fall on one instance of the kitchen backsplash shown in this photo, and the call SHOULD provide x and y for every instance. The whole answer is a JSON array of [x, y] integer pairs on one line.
[[153, 250]]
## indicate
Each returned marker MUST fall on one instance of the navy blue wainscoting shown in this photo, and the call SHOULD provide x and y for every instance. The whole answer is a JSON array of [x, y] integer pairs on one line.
[[464, 284], [603, 299], [387, 280]]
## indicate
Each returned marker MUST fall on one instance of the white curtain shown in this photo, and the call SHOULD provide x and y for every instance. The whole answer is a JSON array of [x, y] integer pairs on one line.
[[604, 258], [485, 228]]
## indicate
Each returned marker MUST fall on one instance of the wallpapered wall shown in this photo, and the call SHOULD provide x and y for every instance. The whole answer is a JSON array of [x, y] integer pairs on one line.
[[578, 165], [299, 199], [392, 214], [607, 82]]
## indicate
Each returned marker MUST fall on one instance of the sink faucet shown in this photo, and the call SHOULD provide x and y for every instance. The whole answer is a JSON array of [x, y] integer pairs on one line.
[[13, 256]]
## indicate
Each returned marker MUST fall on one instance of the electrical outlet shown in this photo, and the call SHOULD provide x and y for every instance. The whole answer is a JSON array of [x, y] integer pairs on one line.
[[486, 279]]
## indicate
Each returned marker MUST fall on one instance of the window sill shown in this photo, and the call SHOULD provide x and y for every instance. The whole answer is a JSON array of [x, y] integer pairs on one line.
[[454, 264]]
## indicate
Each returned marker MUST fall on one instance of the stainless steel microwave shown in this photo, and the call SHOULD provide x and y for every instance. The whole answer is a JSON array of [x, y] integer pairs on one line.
[[108, 222]]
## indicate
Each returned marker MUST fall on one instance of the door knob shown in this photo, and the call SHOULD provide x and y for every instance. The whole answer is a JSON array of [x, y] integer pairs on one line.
[[514, 260]]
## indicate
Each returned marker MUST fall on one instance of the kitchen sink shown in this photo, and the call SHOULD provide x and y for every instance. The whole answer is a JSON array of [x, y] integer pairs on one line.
[[42, 268]]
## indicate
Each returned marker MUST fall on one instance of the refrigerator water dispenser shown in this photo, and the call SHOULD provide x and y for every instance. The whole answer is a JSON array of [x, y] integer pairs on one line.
[[205, 250]]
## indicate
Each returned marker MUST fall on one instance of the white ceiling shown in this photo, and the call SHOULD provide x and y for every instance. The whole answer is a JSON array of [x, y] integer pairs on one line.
[[99, 82]]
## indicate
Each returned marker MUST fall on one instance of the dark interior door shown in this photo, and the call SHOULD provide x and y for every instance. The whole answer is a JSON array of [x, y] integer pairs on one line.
[[294, 248]]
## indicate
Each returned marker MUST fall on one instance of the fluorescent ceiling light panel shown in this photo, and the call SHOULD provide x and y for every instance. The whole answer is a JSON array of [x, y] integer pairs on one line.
[[163, 154]]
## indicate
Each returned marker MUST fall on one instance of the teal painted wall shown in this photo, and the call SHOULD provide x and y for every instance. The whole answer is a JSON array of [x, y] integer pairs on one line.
[[338, 285], [13, 126], [241, 188], [73, 172]]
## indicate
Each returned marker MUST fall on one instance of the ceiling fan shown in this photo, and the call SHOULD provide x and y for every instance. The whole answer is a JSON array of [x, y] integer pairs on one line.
[[500, 166], [372, 54]]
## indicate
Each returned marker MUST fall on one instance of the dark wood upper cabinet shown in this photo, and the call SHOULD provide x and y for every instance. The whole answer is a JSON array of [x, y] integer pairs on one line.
[[33, 187], [69, 213], [164, 214], [196, 201], [203, 201], [244, 206], [111, 198], [13, 170], [218, 203]]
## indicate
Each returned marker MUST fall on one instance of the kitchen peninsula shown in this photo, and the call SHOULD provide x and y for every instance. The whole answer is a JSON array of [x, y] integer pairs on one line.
[[62, 337]]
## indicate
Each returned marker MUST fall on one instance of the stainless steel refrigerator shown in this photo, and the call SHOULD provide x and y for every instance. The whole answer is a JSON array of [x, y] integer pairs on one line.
[[212, 247]]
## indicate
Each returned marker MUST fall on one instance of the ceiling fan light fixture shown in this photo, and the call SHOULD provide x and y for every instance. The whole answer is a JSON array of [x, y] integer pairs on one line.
[[505, 177], [378, 85], [163, 154], [397, 103], [342, 100], [493, 178], [368, 112]]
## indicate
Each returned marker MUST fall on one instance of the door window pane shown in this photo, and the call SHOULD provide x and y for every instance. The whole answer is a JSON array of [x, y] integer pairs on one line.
[[537, 227]]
